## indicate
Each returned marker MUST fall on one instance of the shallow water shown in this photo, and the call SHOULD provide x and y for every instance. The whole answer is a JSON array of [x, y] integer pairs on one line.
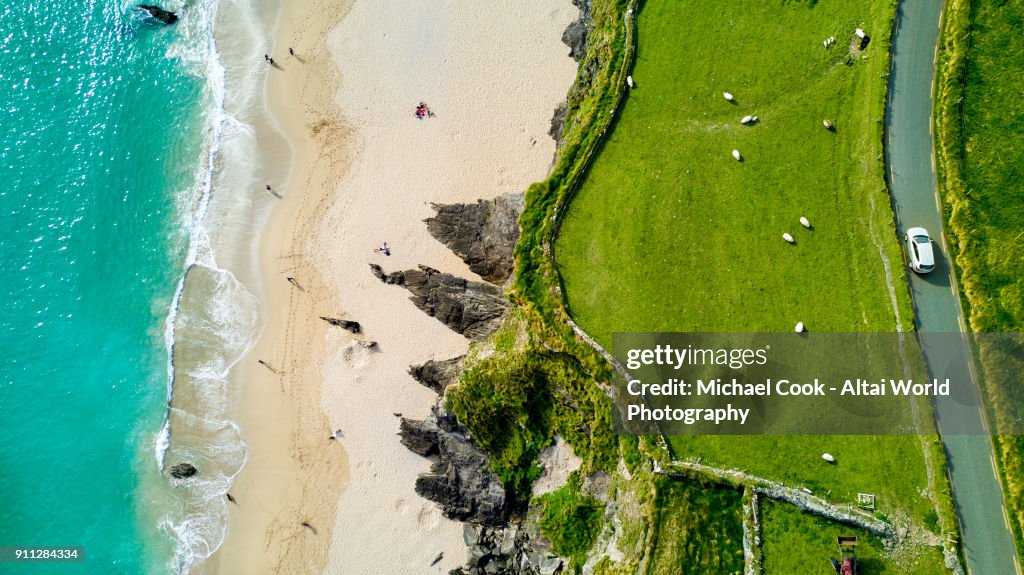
[[114, 145]]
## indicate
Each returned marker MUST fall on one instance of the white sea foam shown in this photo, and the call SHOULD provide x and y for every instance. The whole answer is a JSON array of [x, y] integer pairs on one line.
[[214, 318]]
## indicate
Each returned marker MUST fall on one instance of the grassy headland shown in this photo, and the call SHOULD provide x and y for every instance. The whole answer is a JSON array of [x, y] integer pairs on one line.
[[669, 233]]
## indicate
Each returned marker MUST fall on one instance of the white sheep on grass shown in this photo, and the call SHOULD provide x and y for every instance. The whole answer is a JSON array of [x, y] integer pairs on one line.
[[727, 96], [788, 238], [736, 154], [805, 222]]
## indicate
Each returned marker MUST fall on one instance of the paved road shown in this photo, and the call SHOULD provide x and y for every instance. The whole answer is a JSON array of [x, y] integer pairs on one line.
[[977, 493]]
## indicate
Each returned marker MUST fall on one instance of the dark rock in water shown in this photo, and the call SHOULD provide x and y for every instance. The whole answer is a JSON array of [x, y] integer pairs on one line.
[[165, 16], [419, 436], [438, 375], [483, 234], [473, 309], [575, 35], [352, 326], [183, 470]]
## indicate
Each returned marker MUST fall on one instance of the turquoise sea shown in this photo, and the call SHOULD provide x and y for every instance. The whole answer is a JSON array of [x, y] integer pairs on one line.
[[104, 143]]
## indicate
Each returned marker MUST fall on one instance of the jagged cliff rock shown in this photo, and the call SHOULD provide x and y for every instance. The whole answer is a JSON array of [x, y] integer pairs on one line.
[[438, 375], [483, 234], [461, 481], [575, 35], [473, 309], [504, 551]]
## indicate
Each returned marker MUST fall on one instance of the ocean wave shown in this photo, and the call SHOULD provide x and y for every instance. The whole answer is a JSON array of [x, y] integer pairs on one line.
[[214, 319]]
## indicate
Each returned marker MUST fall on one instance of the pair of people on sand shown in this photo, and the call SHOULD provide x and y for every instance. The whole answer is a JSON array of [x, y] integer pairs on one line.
[[423, 111]]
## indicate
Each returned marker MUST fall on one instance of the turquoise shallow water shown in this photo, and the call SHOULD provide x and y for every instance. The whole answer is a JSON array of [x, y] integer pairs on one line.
[[100, 139]]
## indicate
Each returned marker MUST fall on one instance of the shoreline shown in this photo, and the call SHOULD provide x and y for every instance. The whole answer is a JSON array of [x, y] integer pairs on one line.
[[294, 474], [359, 177]]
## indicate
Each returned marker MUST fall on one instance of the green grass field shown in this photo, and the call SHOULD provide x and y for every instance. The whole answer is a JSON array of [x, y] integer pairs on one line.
[[670, 233], [699, 529], [991, 247], [979, 118], [798, 543]]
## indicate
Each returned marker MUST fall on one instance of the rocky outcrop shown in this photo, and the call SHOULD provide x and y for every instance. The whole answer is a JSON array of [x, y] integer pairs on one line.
[[438, 375], [504, 551], [558, 122], [575, 35], [158, 13], [461, 481], [473, 309], [483, 234], [420, 436], [183, 470], [352, 326]]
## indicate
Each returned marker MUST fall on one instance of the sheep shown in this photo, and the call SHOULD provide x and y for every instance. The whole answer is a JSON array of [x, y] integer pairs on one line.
[[828, 457], [727, 96], [749, 120], [788, 238], [799, 327], [805, 222], [629, 81], [827, 124], [736, 154], [860, 33]]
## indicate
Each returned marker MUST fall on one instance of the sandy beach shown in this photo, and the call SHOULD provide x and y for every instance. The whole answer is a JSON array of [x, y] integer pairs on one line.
[[364, 171]]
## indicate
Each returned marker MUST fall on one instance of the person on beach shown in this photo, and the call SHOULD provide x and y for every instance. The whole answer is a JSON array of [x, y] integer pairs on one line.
[[272, 62], [384, 248], [291, 52], [291, 280], [267, 58]]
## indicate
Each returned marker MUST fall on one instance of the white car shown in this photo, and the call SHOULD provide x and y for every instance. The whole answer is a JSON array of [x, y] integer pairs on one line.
[[919, 248]]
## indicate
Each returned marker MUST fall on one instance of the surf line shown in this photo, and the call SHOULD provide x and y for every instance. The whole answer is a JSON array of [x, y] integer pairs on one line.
[[688, 416]]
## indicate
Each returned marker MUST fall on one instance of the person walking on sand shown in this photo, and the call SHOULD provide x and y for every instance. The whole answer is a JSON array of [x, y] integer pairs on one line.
[[267, 58], [291, 52], [292, 281]]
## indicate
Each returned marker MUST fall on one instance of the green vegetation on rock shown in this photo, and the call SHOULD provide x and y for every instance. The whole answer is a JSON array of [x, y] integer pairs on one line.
[[515, 403], [698, 529], [572, 521]]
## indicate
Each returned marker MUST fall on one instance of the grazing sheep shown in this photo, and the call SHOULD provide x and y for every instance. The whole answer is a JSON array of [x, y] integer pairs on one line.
[[800, 327], [860, 33], [747, 119], [828, 457], [736, 154], [827, 124], [629, 81], [727, 96], [805, 222], [788, 238]]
